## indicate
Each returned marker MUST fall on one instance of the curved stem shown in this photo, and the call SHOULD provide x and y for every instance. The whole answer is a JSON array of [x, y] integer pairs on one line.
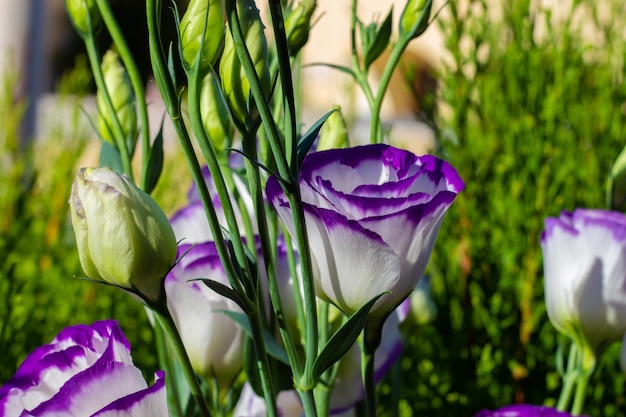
[[586, 365], [94, 59], [371, 341], [376, 133], [169, 329], [170, 98], [135, 80], [569, 380]]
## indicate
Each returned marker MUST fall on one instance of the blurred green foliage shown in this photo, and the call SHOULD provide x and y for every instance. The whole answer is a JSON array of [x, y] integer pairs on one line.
[[39, 265], [533, 116]]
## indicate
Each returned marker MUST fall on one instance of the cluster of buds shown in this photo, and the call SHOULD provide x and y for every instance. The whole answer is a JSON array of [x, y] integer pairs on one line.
[[235, 84]]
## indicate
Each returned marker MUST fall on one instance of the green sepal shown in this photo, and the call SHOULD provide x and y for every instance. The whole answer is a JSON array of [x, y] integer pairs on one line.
[[306, 141], [155, 162], [111, 157], [343, 340], [377, 39]]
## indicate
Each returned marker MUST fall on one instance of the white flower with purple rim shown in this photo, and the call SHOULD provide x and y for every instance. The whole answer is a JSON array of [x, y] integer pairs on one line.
[[584, 255], [372, 215], [85, 371], [213, 341]]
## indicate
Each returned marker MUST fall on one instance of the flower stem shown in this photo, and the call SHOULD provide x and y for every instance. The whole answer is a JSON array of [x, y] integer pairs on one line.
[[569, 380], [136, 81], [120, 143], [371, 341], [586, 365], [169, 329]]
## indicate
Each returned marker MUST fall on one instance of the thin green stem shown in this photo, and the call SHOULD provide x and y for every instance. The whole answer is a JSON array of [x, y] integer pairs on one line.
[[195, 88], [169, 329], [135, 80], [170, 98], [569, 379], [118, 133], [286, 81], [165, 361], [371, 341], [586, 365], [376, 133]]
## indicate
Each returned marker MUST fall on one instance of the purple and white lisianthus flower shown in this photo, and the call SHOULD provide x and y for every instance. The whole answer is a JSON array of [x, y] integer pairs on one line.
[[372, 215], [213, 341], [523, 410], [584, 256], [85, 371]]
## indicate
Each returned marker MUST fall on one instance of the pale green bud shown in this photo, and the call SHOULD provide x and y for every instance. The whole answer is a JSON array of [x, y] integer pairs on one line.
[[334, 133], [123, 98], [215, 115], [123, 236], [235, 84], [81, 12], [202, 17], [298, 25], [414, 19]]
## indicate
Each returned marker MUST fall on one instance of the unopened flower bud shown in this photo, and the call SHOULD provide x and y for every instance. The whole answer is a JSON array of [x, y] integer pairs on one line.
[[202, 17], [334, 133], [298, 25], [215, 115], [123, 236], [414, 19], [235, 84], [84, 15], [123, 99]]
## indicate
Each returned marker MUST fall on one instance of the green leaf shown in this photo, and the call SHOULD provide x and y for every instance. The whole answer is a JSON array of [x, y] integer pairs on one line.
[[110, 157], [380, 41], [273, 348], [341, 68], [306, 141], [224, 291], [342, 340], [155, 162]]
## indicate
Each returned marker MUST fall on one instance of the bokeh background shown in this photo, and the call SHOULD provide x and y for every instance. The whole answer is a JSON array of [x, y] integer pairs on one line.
[[525, 98]]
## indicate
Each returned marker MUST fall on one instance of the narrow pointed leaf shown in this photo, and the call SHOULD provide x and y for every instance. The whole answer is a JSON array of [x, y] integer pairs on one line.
[[155, 162], [341, 342], [224, 291], [305, 143]]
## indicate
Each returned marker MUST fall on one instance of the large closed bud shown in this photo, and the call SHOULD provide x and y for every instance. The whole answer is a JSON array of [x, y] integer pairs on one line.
[[122, 97], [203, 17], [235, 84], [123, 236]]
